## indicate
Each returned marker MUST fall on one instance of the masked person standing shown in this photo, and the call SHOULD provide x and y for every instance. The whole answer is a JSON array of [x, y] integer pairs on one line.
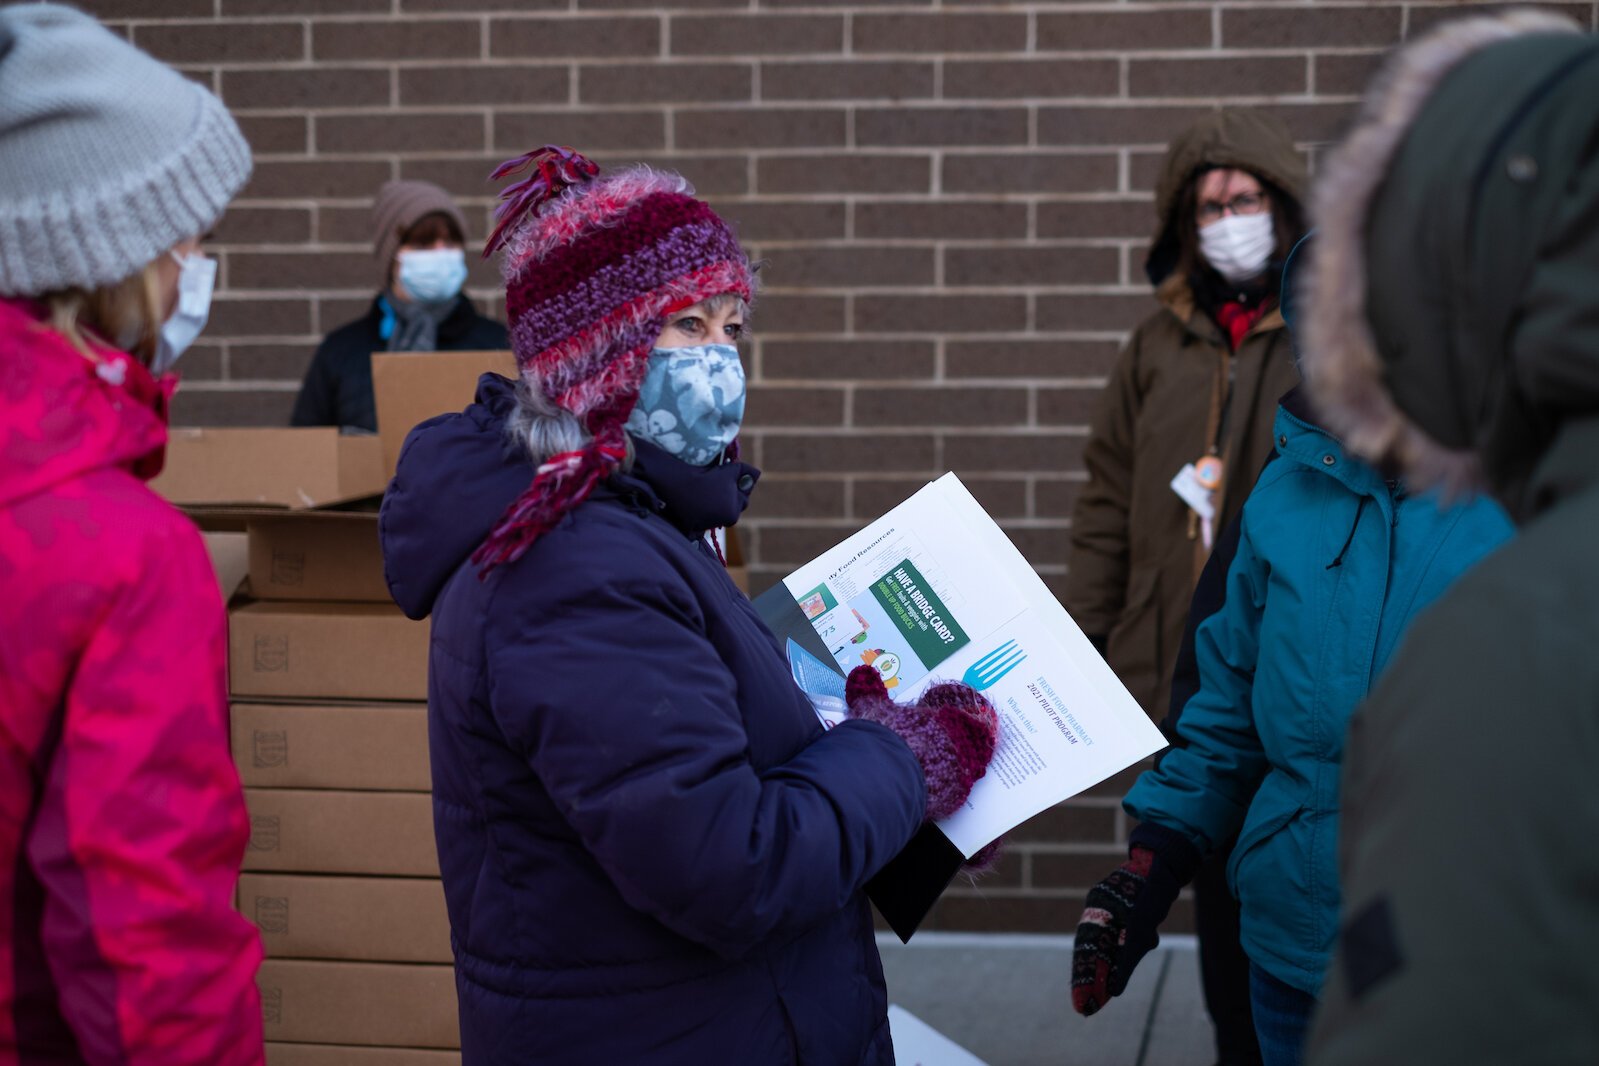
[[419, 241], [122, 821], [1181, 431], [651, 849]]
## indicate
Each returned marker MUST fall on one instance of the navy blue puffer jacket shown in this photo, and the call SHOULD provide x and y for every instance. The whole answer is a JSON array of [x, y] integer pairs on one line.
[[651, 850]]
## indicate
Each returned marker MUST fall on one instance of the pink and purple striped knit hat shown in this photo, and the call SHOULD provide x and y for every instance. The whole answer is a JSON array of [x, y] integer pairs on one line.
[[593, 266]]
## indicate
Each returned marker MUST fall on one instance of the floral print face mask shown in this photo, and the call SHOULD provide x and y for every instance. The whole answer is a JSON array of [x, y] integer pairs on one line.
[[691, 402]]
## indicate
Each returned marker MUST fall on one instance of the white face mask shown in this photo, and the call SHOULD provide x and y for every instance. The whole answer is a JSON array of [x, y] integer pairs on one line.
[[197, 276], [431, 275], [1238, 246]]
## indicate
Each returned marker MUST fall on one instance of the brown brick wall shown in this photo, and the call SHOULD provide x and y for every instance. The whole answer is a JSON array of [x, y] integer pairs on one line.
[[953, 200]]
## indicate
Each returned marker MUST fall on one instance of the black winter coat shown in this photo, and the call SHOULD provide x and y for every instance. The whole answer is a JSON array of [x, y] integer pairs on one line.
[[651, 850], [337, 390]]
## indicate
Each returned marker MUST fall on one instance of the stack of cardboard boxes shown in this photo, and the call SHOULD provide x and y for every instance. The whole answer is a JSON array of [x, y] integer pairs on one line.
[[329, 723], [329, 732]]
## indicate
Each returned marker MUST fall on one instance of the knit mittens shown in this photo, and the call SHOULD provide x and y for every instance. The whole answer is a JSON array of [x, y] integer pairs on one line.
[[952, 730], [1098, 969], [1122, 916]]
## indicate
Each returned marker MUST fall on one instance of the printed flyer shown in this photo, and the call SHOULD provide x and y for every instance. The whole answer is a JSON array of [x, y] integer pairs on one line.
[[934, 590]]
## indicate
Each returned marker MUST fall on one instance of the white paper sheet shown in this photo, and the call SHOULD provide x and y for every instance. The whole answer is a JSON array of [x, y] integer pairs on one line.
[[918, 1044], [934, 590]]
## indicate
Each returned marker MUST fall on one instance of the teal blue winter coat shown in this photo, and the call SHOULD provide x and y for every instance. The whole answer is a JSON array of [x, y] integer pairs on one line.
[[1332, 565]]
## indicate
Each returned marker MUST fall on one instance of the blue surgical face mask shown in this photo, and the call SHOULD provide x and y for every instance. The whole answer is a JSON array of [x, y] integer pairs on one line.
[[691, 402], [432, 275]]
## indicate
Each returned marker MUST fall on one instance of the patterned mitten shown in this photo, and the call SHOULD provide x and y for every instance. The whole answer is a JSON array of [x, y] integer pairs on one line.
[[1121, 920], [952, 730]]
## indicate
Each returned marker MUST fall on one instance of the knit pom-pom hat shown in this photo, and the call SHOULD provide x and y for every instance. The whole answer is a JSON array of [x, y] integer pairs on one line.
[[593, 266]]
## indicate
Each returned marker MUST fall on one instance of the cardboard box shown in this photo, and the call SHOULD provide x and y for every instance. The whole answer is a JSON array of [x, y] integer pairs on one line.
[[293, 468], [382, 746], [316, 555], [345, 1055], [230, 558], [312, 832], [368, 919], [373, 1004], [355, 651], [411, 387]]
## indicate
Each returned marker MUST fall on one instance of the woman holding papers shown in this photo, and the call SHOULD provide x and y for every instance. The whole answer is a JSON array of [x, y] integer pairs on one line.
[[1314, 587], [651, 850], [122, 823]]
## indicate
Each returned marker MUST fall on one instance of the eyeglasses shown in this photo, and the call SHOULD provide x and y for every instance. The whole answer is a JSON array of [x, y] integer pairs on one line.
[[1245, 203]]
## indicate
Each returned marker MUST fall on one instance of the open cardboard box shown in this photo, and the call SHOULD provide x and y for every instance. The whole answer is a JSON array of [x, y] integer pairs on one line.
[[411, 387], [230, 558], [276, 484], [294, 468]]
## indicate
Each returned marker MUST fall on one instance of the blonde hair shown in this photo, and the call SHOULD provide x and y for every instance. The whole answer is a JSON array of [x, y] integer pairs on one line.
[[130, 308]]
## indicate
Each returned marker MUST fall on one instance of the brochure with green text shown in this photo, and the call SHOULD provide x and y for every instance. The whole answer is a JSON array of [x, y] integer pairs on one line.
[[934, 590]]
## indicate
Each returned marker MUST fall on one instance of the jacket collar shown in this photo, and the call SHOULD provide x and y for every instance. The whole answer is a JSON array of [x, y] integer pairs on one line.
[[692, 498], [1299, 439]]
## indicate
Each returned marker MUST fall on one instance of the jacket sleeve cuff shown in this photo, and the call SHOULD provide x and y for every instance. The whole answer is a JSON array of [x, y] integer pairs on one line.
[[1172, 849]]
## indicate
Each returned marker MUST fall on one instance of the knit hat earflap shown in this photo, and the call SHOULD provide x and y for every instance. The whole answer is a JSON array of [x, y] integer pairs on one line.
[[593, 266], [108, 158]]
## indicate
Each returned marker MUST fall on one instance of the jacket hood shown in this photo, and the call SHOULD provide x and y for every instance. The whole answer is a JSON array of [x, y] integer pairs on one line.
[[458, 473], [1452, 303], [63, 416], [1242, 140]]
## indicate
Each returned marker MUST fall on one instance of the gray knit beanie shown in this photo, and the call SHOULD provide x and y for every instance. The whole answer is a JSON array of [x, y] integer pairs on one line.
[[398, 206], [107, 157]]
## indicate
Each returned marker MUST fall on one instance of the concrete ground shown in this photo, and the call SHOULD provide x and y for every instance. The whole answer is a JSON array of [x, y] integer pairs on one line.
[[1007, 1000]]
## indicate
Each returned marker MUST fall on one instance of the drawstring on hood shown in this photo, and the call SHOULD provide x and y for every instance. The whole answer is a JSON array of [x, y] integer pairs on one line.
[[1360, 509]]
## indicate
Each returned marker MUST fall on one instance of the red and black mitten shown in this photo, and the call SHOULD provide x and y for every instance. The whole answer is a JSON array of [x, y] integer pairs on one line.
[[952, 730], [1122, 915]]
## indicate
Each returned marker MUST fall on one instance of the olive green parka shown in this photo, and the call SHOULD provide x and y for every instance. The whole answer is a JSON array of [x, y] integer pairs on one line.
[[1176, 393], [1454, 328]]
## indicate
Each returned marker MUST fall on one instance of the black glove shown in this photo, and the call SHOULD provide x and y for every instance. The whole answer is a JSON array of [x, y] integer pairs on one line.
[[1121, 919]]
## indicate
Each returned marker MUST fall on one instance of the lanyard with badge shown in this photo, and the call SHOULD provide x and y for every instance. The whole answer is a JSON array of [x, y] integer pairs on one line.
[[1199, 483]]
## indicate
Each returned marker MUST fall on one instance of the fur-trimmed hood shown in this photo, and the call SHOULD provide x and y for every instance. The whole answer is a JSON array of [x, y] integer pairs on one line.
[[1452, 304]]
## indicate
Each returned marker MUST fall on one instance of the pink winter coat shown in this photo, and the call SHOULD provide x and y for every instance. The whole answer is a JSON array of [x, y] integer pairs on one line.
[[122, 823]]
